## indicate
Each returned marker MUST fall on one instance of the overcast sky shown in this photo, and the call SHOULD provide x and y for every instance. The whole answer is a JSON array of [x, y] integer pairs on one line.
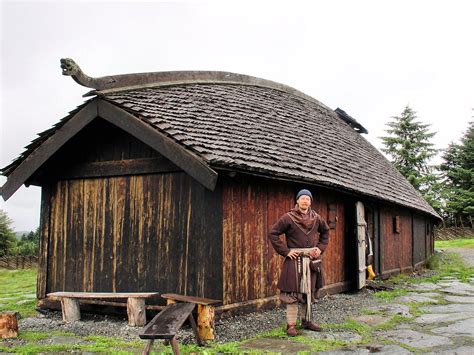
[[370, 58]]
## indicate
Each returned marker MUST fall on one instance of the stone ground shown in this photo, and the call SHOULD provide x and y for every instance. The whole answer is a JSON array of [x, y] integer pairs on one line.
[[446, 325]]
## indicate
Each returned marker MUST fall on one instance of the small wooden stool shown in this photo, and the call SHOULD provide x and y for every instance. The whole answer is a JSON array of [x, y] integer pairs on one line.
[[166, 324], [205, 312]]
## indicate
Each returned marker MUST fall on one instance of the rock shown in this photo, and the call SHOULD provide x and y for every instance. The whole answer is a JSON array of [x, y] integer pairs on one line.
[[393, 309], [424, 287], [372, 319], [417, 298], [460, 299], [460, 328], [345, 335], [463, 350], [415, 339], [282, 346], [441, 318], [368, 349], [449, 308], [457, 288]]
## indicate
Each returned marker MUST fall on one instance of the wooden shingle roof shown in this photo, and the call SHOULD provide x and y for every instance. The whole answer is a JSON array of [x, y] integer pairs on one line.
[[264, 130]]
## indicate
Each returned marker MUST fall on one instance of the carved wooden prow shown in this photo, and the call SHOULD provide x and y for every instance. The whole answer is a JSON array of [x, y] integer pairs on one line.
[[70, 68]]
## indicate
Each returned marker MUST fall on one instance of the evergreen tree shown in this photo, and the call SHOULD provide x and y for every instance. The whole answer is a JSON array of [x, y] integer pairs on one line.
[[28, 244], [458, 169], [409, 147], [7, 235]]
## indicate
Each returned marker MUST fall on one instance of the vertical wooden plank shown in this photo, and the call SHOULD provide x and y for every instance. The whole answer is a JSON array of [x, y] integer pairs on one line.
[[45, 218], [361, 226]]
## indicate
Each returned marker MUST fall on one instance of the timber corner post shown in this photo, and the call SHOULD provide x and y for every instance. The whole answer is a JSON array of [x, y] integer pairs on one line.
[[205, 313]]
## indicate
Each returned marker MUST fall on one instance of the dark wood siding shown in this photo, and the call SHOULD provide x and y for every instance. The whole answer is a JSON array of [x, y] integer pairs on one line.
[[336, 254], [396, 247], [419, 239], [250, 207], [135, 233]]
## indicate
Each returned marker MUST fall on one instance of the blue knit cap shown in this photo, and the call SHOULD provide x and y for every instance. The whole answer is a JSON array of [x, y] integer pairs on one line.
[[304, 192]]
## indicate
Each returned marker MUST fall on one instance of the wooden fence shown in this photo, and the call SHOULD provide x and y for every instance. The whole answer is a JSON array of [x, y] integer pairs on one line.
[[18, 262], [453, 233]]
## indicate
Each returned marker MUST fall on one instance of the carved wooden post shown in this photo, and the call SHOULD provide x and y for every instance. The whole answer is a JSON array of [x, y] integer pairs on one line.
[[205, 322], [8, 325], [71, 310], [136, 312]]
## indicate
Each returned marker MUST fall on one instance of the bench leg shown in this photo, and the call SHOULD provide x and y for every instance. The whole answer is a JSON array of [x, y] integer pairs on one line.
[[70, 309], [147, 349], [205, 322], [174, 345], [136, 312], [195, 330]]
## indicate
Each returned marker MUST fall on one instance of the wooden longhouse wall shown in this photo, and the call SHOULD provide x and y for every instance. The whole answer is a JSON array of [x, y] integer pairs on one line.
[[250, 208], [147, 232], [395, 239]]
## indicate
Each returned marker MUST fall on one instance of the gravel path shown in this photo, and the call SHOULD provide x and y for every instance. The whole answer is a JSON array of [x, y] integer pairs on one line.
[[328, 310]]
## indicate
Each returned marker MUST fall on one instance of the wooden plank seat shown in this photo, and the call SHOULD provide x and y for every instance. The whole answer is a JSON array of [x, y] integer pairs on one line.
[[135, 304], [205, 312], [165, 325]]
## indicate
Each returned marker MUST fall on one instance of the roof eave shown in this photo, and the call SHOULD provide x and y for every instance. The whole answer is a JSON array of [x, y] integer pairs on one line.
[[182, 157]]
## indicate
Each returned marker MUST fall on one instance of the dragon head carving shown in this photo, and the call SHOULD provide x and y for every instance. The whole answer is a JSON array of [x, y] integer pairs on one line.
[[70, 67]]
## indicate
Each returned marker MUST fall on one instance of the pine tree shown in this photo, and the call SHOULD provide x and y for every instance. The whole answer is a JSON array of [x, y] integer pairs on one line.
[[458, 169], [409, 147]]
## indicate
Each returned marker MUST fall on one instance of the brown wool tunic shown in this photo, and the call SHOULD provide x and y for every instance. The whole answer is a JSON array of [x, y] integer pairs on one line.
[[318, 236]]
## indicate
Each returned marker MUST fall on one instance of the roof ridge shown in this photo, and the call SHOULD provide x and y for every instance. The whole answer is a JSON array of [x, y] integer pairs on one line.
[[136, 81]]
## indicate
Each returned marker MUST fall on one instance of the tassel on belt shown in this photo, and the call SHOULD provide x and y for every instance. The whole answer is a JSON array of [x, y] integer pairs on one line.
[[304, 272]]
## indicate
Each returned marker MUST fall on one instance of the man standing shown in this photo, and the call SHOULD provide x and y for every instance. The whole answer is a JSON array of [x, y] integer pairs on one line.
[[307, 236]]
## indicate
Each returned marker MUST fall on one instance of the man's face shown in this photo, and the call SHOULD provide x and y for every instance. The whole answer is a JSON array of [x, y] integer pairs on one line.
[[304, 202]]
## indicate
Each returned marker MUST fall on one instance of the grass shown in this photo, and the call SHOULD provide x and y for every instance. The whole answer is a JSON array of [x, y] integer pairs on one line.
[[390, 295], [455, 243], [18, 291]]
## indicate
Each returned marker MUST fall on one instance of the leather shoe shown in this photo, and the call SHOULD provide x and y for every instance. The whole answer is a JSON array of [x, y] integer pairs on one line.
[[311, 326], [291, 330]]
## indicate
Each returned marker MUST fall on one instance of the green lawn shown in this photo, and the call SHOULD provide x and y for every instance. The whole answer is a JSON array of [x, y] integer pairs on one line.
[[455, 243], [18, 291]]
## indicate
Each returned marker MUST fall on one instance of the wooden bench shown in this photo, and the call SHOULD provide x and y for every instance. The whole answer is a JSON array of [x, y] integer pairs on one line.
[[135, 304], [166, 324], [205, 312]]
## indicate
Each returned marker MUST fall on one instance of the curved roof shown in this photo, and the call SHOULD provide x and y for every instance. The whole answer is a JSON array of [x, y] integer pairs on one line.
[[252, 125]]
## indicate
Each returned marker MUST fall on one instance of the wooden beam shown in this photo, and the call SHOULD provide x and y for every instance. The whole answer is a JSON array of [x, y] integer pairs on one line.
[[185, 159], [34, 161], [111, 168]]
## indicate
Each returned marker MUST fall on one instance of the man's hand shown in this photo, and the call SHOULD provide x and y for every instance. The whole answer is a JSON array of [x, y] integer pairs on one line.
[[293, 254], [315, 253]]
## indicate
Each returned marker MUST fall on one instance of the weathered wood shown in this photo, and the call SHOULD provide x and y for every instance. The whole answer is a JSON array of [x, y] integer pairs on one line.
[[361, 229], [190, 299], [205, 322], [166, 323], [43, 242], [195, 329], [115, 168], [136, 312], [48, 148], [174, 345], [253, 305], [148, 346], [186, 160], [70, 309], [104, 294], [8, 325]]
